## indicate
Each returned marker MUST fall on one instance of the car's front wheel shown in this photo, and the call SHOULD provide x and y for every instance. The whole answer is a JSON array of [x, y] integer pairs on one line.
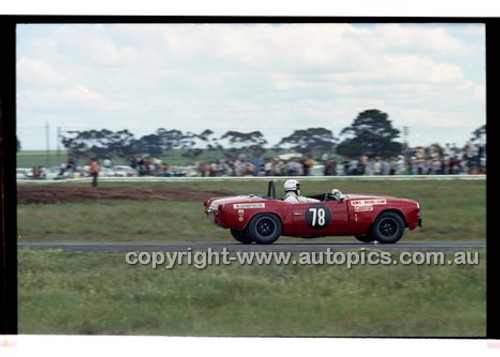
[[241, 236], [388, 227], [265, 228]]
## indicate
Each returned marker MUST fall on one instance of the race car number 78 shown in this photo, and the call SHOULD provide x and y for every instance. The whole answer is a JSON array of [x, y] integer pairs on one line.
[[318, 216]]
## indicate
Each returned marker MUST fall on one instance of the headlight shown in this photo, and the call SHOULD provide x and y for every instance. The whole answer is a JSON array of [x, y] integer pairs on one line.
[[418, 206]]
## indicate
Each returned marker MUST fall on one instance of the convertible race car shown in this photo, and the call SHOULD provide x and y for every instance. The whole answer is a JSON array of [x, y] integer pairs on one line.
[[263, 219]]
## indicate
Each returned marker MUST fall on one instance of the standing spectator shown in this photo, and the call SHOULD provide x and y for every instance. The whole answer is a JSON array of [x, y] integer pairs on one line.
[[282, 165], [146, 166], [225, 168], [212, 169], [353, 167], [436, 167], [305, 168], [400, 165], [392, 166], [412, 167], [71, 165], [132, 162], [362, 165], [346, 163], [268, 168], [446, 165], [454, 150], [155, 165], [165, 168], [242, 167], [294, 168], [369, 166], [36, 172], [251, 169], [386, 167], [447, 150], [429, 165], [308, 164], [62, 169], [203, 169], [476, 161], [377, 166], [453, 166], [333, 165], [94, 171], [330, 167], [139, 163]]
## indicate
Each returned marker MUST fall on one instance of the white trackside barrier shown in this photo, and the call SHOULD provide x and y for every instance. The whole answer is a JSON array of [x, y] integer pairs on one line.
[[262, 178]]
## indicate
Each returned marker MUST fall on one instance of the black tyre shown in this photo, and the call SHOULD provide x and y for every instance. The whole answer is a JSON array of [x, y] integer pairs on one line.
[[388, 228], [241, 236], [265, 228], [367, 238]]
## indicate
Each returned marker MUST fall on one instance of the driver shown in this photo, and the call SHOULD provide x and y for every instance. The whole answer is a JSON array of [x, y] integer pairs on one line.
[[292, 193], [337, 195]]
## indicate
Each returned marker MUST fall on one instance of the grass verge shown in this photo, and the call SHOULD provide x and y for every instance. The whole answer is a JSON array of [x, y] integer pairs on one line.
[[98, 293], [451, 210]]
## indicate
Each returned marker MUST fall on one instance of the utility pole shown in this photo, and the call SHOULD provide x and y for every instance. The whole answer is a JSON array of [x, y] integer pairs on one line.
[[58, 144], [47, 144], [405, 135]]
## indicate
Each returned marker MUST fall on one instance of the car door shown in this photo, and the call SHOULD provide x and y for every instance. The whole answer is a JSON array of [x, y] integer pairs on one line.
[[321, 218]]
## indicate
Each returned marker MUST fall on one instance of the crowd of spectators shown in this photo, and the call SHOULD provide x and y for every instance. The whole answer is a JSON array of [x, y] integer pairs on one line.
[[431, 160]]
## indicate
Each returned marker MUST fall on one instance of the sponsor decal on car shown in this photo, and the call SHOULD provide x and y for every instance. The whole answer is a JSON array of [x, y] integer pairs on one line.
[[249, 205], [371, 202], [363, 208]]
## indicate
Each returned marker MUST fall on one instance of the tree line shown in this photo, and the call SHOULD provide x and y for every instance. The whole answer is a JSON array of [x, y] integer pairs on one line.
[[371, 133]]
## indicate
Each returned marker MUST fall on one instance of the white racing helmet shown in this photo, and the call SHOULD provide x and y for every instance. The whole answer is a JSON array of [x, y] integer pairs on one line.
[[336, 194], [291, 185]]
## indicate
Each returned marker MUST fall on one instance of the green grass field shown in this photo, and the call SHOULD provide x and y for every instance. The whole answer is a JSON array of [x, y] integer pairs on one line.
[[98, 293], [451, 210], [30, 158]]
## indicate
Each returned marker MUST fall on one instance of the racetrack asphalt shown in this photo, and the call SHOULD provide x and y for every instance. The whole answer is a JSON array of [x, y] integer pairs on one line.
[[233, 247]]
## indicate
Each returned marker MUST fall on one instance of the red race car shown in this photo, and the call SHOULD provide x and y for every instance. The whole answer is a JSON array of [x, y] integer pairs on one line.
[[263, 219]]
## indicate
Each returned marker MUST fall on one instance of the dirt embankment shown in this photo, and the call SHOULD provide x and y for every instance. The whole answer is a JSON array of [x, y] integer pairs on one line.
[[63, 194]]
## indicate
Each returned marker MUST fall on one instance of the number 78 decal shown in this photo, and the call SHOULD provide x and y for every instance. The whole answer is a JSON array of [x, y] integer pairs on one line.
[[317, 216]]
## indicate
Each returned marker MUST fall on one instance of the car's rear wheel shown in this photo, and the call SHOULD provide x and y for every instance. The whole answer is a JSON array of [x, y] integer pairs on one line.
[[241, 236], [388, 227], [365, 238], [265, 228]]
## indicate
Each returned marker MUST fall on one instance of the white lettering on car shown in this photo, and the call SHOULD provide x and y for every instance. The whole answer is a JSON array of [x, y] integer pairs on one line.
[[363, 208], [249, 205], [368, 202]]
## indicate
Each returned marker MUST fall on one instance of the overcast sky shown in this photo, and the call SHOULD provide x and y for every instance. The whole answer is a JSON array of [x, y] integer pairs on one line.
[[275, 78]]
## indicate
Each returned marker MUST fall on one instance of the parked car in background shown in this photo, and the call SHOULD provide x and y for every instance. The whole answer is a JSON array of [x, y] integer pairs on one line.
[[51, 173], [106, 172], [23, 173], [180, 171], [124, 171]]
